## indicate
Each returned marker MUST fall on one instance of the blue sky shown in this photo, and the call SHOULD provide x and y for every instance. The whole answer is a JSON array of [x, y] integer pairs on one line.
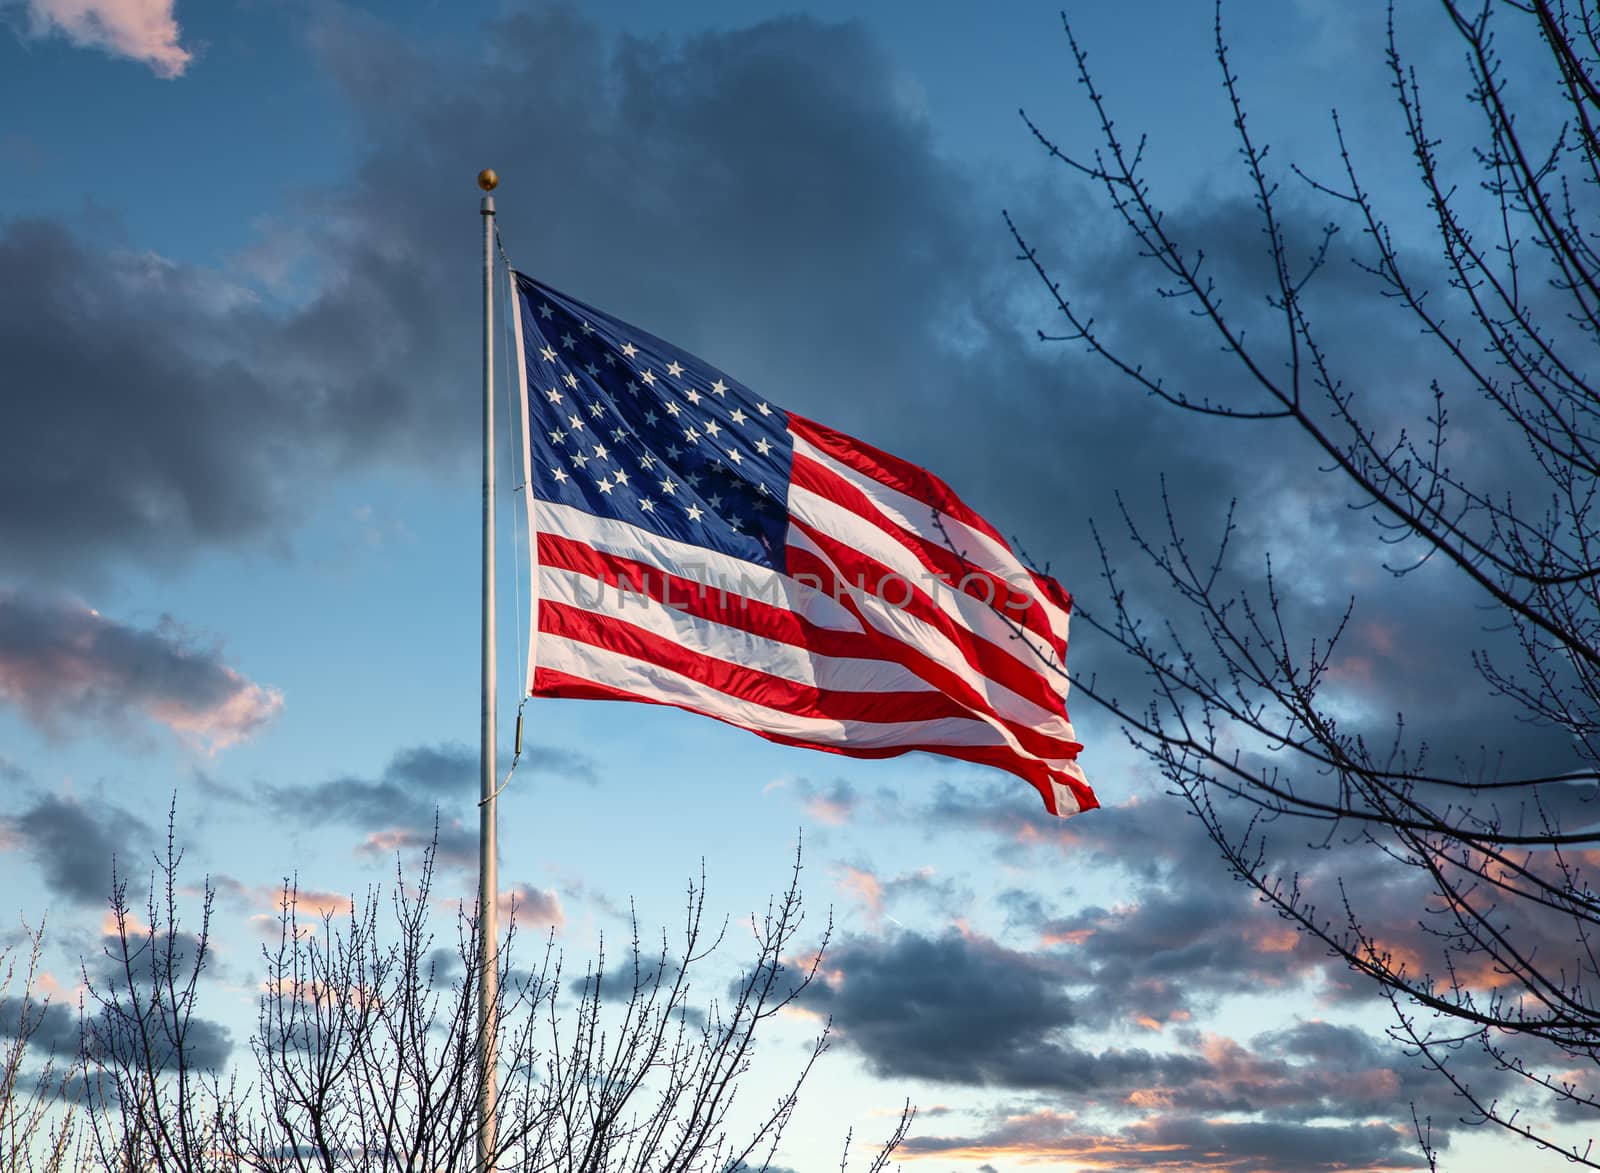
[[238, 546]]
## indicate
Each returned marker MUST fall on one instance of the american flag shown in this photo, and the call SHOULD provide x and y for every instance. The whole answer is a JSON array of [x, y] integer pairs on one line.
[[697, 546]]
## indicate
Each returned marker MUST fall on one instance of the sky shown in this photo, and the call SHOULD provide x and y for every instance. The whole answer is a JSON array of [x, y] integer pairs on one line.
[[239, 328]]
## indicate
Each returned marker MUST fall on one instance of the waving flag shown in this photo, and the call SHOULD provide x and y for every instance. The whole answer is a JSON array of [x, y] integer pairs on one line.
[[697, 546]]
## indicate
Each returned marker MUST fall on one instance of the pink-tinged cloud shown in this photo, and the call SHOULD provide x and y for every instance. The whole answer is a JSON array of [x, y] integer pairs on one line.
[[61, 662], [142, 30], [865, 887], [533, 906]]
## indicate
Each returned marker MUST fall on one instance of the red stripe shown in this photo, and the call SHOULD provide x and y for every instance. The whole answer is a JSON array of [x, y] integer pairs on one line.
[[914, 481], [1012, 605], [783, 625], [744, 682], [901, 475], [552, 683], [863, 573], [697, 599], [946, 679]]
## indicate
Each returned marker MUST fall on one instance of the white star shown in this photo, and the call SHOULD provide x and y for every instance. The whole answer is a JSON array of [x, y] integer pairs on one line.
[[714, 501], [673, 452], [712, 428], [763, 490], [596, 410], [738, 416], [719, 389], [693, 396], [570, 380], [673, 408], [633, 388], [674, 370], [544, 310], [591, 368], [695, 512], [669, 486], [733, 455], [547, 354], [568, 340], [606, 486], [763, 409], [575, 423], [629, 349], [647, 461], [651, 419], [611, 359], [559, 473], [618, 435], [694, 480], [646, 505], [622, 477], [649, 378], [587, 329], [553, 395], [557, 437], [763, 447], [579, 460], [691, 435], [735, 521], [600, 452]]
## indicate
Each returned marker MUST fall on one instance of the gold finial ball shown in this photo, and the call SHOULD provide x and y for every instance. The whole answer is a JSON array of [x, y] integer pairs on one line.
[[487, 179]]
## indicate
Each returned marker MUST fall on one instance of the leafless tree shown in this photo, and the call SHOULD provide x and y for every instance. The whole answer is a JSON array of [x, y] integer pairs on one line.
[[1241, 718], [365, 1048], [36, 1113]]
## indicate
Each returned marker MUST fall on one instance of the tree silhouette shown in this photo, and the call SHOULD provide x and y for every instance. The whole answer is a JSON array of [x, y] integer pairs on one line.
[[365, 1048], [1241, 717]]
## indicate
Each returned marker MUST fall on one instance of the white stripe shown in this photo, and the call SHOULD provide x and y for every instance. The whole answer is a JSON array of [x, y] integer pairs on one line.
[[651, 681], [901, 626], [731, 644], [1066, 801], [926, 521], [724, 572], [711, 568], [974, 615]]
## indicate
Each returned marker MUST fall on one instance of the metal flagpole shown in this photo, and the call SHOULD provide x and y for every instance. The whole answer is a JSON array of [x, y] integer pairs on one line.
[[488, 929]]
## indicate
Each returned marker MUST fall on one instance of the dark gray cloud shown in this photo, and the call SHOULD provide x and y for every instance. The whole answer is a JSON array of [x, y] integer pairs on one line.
[[61, 661], [424, 795], [1182, 1142], [76, 844], [117, 1039], [55, 1030], [50, 1027], [951, 1009], [964, 1010]]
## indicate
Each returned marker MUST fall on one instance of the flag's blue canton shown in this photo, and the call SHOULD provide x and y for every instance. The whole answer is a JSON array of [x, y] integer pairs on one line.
[[624, 425]]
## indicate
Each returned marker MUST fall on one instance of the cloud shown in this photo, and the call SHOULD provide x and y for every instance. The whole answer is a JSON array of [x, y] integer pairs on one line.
[[50, 1026], [876, 892], [533, 906], [61, 661], [142, 30], [417, 800], [964, 1010], [1181, 1143], [967, 1011], [76, 844], [230, 406]]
